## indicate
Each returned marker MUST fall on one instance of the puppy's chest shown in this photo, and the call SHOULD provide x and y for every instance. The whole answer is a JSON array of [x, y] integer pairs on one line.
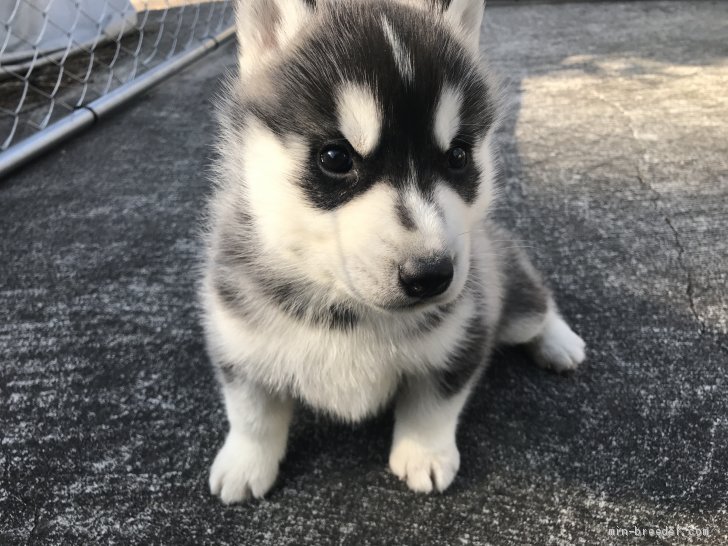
[[341, 375], [350, 374]]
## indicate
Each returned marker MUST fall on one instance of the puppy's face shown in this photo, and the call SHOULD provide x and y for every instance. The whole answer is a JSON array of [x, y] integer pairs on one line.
[[359, 136]]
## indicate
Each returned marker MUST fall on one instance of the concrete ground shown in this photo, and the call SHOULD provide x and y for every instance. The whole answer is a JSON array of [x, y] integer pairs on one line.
[[616, 178]]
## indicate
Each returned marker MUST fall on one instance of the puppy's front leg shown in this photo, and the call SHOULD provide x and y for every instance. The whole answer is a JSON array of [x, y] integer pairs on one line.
[[247, 464], [424, 451]]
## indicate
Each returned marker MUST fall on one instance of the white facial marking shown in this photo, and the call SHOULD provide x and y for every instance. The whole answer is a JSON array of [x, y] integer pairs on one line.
[[457, 220], [402, 58], [270, 169], [360, 117], [456, 213], [483, 156], [427, 219], [447, 116]]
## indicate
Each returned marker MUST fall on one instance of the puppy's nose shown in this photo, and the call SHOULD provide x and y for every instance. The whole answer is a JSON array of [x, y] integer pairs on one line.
[[426, 277]]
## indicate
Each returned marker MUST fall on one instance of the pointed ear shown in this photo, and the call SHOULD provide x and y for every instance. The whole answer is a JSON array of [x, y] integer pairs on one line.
[[266, 27], [465, 17]]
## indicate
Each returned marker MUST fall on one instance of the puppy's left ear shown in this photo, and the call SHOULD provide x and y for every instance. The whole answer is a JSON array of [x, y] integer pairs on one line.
[[465, 18]]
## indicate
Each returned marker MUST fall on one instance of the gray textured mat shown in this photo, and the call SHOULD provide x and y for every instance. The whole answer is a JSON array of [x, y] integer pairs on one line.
[[614, 160]]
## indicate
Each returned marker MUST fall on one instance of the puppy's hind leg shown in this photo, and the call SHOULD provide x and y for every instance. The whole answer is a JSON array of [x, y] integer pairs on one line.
[[557, 346], [530, 316]]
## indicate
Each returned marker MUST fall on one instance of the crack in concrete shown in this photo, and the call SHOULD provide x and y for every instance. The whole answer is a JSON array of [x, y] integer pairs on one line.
[[658, 202], [690, 287]]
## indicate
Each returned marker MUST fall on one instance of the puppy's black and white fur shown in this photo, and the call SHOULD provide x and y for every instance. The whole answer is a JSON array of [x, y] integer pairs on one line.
[[350, 257]]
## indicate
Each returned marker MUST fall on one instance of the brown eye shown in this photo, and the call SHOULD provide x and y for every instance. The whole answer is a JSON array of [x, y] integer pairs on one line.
[[335, 159], [457, 158]]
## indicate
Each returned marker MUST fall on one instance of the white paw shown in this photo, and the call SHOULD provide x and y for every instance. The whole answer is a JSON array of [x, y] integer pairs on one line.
[[558, 347], [242, 468], [422, 467]]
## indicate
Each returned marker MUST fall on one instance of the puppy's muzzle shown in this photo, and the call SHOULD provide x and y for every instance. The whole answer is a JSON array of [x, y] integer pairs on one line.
[[424, 278]]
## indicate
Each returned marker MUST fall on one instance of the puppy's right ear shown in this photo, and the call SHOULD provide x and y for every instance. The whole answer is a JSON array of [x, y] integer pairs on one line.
[[266, 27]]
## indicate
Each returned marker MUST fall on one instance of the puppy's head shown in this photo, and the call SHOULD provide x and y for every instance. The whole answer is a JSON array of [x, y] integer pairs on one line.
[[357, 140]]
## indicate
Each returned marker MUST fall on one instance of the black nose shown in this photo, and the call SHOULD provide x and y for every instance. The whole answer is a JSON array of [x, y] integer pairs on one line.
[[425, 278]]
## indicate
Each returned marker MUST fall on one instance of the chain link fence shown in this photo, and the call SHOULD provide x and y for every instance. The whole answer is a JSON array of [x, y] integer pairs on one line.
[[60, 56]]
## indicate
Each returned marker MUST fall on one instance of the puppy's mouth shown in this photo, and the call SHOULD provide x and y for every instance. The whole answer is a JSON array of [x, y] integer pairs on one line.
[[403, 304], [401, 298], [412, 305]]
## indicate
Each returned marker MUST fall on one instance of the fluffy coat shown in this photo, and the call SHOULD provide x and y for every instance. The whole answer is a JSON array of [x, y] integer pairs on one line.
[[355, 159]]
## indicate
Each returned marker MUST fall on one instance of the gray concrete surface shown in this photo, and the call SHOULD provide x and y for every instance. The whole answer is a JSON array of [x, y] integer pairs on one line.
[[615, 176]]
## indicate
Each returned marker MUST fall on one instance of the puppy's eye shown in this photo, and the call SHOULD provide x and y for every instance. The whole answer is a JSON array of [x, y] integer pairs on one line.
[[457, 158], [335, 159]]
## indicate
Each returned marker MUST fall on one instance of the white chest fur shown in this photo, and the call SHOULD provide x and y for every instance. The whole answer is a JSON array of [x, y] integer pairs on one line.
[[350, 374]]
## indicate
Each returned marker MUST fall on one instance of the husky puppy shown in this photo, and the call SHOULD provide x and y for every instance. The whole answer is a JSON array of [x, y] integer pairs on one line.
[[350, 257]]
